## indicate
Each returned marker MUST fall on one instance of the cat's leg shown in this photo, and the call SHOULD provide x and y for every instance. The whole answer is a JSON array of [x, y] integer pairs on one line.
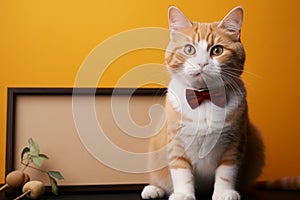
[[181, 172], [160, 185], [179, 165], [152, 192], [226, 175], [225, 179], [183, 184]]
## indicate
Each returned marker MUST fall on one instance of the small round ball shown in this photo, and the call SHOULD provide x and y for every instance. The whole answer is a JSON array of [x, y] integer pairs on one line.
[[36, 189], [15, 179]]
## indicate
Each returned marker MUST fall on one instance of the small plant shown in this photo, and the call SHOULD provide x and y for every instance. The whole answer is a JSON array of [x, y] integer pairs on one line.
[[32, 158]]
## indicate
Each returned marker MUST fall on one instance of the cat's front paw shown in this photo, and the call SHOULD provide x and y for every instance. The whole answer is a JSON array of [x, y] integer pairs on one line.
[[182, 196], [152, 192], [226, 195]]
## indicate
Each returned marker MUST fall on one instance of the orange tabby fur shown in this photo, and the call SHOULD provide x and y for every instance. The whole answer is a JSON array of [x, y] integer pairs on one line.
[[238, 156]]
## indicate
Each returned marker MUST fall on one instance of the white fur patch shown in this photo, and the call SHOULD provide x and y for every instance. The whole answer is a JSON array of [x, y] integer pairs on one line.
[[180, 196], [152, 192], [182, 181], [226, 195], [183, 185], [203, 45], [227, 172], [225, 183]]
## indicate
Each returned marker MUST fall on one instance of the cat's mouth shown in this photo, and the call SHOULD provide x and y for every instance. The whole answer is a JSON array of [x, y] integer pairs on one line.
[[197, 74], [198, 80]]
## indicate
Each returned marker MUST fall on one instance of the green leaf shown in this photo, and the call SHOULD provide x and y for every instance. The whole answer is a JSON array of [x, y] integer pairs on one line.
[[38, 160], [56, 175], [34, 148], [25, 150], [54, 188], [44, 156]]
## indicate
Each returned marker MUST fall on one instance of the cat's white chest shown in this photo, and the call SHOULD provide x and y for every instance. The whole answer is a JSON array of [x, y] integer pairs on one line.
[[194, 121], [205, 119], [195, 134], [200, 133], [199, 120]]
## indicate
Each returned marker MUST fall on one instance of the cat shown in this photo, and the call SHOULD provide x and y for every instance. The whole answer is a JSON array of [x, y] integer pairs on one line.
[[211, 145]]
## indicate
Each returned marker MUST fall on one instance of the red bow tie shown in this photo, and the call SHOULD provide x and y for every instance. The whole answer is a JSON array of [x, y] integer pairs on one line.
[[195, 97]]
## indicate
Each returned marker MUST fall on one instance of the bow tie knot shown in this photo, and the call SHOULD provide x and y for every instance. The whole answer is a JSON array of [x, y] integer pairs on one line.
[[196, 97]]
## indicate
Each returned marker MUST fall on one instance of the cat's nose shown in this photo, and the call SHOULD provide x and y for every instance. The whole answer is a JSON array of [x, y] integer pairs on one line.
[[203, 64]]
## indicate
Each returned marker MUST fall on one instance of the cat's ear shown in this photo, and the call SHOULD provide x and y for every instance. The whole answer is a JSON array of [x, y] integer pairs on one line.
[[233, 21], [177, 20]]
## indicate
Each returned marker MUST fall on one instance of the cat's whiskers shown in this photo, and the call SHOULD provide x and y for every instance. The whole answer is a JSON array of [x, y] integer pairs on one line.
[[231, 74], [228, 79], [233, 85], [235, 75], [242, 71]]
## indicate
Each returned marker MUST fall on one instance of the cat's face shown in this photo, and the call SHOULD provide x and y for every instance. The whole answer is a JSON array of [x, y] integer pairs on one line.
[[205, 53]]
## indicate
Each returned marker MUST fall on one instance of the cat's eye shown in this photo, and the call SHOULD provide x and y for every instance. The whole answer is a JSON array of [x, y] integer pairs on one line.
[[189, 49], [216, 50]]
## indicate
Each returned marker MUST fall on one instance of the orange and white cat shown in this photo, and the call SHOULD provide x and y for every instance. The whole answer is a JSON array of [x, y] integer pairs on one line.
[[211, 145]]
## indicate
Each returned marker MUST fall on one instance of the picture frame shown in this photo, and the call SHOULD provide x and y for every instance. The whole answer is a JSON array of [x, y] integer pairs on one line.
[[43, 114]]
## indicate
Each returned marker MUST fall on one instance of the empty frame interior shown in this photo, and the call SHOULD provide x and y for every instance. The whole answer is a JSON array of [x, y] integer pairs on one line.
[[49, 120]]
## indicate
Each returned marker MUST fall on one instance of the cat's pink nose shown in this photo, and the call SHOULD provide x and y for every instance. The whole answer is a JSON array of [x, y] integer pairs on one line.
[[203, 64]]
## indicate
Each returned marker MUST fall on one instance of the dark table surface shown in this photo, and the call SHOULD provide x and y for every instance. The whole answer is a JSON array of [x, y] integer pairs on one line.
[[253, 194]]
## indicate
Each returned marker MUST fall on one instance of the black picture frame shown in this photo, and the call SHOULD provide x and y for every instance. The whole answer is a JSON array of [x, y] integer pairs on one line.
[[14, 92]]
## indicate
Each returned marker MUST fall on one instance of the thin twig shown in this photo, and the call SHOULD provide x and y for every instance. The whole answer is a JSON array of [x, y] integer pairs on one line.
[[27, 165], [3, 187], [24, 194]]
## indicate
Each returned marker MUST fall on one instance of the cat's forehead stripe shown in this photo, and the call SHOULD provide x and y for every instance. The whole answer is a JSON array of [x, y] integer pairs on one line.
[[197, 34], [201, 36], [207, 36]]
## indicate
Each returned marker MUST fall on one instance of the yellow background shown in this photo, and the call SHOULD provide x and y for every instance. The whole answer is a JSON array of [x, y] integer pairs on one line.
[[43, 43]]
